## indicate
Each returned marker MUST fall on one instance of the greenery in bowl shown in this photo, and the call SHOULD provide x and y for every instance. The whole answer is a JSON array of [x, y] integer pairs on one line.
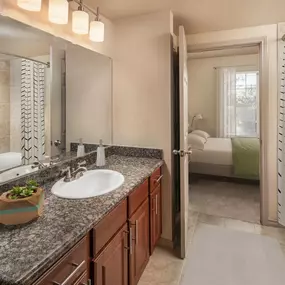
[[19, 192]]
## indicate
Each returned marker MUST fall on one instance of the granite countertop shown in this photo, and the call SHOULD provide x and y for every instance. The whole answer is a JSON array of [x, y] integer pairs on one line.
[[27, 251]]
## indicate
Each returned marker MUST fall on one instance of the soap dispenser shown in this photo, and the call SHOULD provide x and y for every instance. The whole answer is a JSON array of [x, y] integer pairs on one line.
[[80, 148], [101, 161]]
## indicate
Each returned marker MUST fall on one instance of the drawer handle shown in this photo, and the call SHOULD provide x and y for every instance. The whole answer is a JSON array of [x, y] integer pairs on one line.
[[158, 179], [71, 275]]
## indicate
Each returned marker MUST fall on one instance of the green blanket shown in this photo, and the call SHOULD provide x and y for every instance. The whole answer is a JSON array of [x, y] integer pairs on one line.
[[246, 157]]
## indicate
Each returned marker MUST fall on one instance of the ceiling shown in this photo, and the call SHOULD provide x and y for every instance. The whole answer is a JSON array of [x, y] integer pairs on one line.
[[200, 16]]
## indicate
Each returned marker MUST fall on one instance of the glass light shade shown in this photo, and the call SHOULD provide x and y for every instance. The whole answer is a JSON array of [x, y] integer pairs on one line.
[[58, 11], [96, 33], [80, 22], [30, 5]]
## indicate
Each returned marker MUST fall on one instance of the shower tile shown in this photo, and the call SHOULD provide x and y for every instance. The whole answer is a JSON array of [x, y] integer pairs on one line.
[[4, 144], [4, 111], [4, 128], [4, 94]]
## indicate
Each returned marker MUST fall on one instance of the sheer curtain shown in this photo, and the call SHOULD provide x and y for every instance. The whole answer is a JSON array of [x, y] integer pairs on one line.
[[226, 102]]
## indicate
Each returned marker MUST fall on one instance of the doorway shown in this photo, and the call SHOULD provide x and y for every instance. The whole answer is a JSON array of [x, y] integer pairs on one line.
[[224, 131], [261, 85]]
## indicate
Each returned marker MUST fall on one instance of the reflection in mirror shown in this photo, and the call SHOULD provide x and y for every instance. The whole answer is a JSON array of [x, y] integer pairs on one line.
[[24, 88], [52, 93]]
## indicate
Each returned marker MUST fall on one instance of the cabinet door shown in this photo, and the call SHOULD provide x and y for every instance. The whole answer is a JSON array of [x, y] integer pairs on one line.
[[139, 253], [111, 266], [155, 217]]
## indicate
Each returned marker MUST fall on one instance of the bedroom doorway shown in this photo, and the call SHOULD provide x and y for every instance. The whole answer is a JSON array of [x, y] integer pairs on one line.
[[225, 126]]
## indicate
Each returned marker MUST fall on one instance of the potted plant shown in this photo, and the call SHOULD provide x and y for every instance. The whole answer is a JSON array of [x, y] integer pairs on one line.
[[21, 204]]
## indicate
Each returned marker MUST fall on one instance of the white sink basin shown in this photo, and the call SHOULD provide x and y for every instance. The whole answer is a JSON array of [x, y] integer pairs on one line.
[[93, 183], [18, 172]]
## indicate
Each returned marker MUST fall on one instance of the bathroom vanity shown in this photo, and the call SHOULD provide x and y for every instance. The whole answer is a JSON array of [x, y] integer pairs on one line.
[[116, 251], [102, 240]]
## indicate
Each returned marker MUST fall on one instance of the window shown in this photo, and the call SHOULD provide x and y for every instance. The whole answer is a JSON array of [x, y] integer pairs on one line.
[[247, 109], [238, 109]]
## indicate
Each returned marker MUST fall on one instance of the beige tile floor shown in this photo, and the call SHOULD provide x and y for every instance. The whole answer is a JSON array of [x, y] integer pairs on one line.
[[226, 199], [166, 269]]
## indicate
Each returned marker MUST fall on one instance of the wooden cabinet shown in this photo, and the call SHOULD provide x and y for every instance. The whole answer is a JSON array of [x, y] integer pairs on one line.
[[111, 266], [70, 268], [139, 254], [155, 217], [83, 280], [109, 226]]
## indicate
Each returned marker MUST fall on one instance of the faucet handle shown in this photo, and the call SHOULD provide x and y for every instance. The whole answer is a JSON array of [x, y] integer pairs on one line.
[[79, 164], [66, 171]]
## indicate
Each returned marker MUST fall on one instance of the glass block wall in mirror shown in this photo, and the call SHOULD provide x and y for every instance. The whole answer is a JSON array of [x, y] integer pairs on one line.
[[52, 93]]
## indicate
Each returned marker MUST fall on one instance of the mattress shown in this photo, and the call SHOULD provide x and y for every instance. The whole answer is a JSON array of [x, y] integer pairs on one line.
[[216, 151]]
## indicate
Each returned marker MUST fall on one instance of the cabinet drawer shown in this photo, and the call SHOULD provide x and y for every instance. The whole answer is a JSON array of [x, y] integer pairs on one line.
[[155, 179], [137, 197], [69, 269], [82, 280], [109, 226]]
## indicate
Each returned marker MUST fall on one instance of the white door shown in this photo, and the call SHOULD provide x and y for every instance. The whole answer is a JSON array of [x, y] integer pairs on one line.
[[184, 151]]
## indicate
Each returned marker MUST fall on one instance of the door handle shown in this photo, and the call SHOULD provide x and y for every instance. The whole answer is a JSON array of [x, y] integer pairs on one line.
[[156, 204], [130, 248], [182, 153], [137, 231]]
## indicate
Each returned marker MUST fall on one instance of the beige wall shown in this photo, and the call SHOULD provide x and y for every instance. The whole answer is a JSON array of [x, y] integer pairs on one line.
[[88, 96], [40, 21], [4, 106], [203, 86], [270, 99], [142, 91], [15, 105]]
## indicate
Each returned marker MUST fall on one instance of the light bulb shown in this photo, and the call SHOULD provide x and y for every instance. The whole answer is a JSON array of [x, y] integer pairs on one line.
[[30, 5], [80, 22], [58, 11], [96, 33]]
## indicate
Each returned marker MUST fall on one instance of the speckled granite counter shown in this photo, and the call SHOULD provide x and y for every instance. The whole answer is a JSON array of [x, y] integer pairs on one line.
[[27, 251]]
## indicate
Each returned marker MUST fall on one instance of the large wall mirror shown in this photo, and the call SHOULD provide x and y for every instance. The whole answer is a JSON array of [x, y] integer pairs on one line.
[[52, 94]]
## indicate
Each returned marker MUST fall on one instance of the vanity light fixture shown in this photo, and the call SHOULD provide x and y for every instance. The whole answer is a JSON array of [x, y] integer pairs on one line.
[[96, 33], [80, 21], [30, 5], [58, 11]]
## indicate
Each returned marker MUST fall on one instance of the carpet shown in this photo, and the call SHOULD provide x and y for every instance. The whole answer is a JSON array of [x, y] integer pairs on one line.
[[219, 256]]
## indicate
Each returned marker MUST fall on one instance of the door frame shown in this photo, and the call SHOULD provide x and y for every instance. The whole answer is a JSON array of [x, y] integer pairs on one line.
[[261, 42]]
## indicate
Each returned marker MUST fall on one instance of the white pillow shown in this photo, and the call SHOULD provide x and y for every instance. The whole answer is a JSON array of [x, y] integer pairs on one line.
[[201, 134], [196, 142]]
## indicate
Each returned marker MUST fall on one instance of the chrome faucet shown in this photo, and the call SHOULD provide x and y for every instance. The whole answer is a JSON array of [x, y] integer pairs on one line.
[[39, 164], [77, 173], [71, 175]]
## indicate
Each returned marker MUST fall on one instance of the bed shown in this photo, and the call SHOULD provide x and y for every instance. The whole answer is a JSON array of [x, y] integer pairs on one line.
[[228, 157]]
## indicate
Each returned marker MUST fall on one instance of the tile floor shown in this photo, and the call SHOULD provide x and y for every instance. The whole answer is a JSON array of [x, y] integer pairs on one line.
[[166, 269], [226, 199]]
